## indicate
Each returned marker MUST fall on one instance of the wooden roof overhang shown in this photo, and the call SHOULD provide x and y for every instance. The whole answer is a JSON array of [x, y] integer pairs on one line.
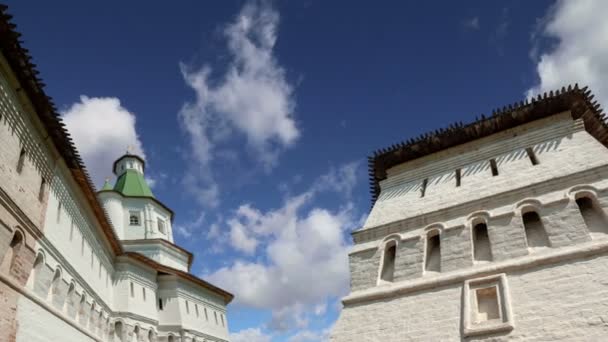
[[579, 101]]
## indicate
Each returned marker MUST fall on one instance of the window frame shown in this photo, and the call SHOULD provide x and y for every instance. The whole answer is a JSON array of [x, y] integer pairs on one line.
[[137, 216], [505, 320]]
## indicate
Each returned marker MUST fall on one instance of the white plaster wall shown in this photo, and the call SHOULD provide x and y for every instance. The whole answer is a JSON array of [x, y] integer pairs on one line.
[[561, 302], [38, 325], [204, 300], [134, 302], [75, 244]]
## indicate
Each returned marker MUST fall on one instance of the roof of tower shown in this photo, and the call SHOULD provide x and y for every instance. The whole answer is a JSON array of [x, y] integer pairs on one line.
[[132, 184], [106, 185], [579, 101], [128, 155]]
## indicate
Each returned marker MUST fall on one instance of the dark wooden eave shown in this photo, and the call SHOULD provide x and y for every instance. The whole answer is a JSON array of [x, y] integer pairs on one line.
[[579, 101], [21, 64]]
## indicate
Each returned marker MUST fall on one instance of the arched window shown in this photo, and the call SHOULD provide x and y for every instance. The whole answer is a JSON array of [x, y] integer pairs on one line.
[[136, 333], [388, 261], [37, 283], [481, 243], [69, 299], [433, 252], [134, 218], [150, 335], [54, 289], [170, 339], [593, 215], [118, 331], [536, 236], [81, 313], [11, 253]]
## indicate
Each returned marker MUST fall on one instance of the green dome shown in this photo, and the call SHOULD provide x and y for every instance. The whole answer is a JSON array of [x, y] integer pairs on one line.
[[132, 183]]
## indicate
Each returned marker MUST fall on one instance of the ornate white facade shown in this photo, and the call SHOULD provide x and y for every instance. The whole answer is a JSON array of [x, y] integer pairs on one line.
[[77, 266], [497, 231]]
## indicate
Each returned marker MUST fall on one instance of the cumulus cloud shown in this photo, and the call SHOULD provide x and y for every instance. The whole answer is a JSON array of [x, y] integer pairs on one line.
[[300, 244], [102, 130], [251, 99], [579, 54], [250, 335]]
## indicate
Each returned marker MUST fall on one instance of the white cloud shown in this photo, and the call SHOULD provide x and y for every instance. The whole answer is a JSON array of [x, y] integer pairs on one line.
[[301, 244], [102, 130], [580, 53], [188, 228], [252, 97], [310, 336], [250, 335]]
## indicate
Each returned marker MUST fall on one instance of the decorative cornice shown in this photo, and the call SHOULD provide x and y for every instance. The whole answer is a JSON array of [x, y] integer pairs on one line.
[[561, 254]]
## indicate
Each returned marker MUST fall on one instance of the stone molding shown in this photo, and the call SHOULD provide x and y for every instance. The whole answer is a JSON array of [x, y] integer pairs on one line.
[[582, 250]]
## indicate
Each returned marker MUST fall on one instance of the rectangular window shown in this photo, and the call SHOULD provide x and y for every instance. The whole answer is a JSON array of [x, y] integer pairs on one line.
[[215, 315], [206, 315], [494, 167], [134, 218], [187, 308], [160, 304], [532, 156], [143, 293], [161, 226], [132, 290], [196, 309], [42, 189], [21, 160], [487, 306], [458, 177], [222, 317]]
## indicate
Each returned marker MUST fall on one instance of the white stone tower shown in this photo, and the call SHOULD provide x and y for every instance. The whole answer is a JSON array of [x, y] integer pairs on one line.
[[496, 230], [140, 220]]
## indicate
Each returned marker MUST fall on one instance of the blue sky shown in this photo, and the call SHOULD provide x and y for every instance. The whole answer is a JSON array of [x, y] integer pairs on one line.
[[256, 118]]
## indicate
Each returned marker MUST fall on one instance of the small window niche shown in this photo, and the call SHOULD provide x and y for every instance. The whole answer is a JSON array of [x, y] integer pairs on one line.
[[482, 251], [494, 167], [487, 306], [161, 226], [536, 235], [388, 261], [432, 261], [593, 215]]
